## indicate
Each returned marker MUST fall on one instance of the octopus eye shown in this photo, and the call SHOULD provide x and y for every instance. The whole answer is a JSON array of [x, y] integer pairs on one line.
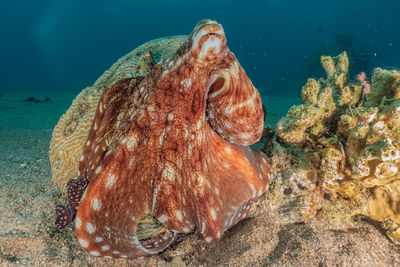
[[153, 235], [217, 85], [149, 227]]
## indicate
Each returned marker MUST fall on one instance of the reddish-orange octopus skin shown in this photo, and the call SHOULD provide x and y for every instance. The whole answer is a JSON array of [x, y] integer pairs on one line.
[[173, 145]]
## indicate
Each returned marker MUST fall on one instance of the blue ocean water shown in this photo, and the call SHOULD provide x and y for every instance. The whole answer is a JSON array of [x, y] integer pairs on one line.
[[66, 45]]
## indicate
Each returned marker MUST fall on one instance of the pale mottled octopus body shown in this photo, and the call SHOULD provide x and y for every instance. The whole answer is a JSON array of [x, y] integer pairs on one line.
[[174, 146]]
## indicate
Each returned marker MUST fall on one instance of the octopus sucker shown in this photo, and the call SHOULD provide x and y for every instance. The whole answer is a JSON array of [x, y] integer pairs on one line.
[[167, 153]]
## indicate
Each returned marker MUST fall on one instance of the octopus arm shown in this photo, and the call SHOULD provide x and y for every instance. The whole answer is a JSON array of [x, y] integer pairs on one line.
[[234, 106], [112, 102], [119, 193], [116, 200], [235, 177]]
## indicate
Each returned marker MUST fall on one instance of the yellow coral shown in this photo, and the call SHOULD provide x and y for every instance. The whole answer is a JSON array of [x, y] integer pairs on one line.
[[386, 202], [355, 140]]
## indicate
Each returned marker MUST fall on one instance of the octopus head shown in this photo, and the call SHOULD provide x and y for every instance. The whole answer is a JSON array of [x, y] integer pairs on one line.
[[208, 43]]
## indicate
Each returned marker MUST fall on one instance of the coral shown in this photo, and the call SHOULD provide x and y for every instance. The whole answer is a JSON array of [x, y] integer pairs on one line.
[[385, 86], [384, 208], [349, 134], [71, 132]]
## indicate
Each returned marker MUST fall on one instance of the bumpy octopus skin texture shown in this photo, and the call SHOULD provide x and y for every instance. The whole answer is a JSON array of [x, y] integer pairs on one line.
[[174, 146]]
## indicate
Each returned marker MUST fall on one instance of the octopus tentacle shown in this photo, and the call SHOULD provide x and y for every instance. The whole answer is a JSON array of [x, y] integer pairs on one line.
[[64, 216], [117, 190], [235, 177], [118, 176], [107, 114]]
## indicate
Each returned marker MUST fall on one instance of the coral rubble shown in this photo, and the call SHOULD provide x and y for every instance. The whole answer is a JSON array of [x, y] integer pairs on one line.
[[343, 142]]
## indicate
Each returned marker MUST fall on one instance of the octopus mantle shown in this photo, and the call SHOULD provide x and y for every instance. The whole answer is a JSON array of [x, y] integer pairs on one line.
[[172, 148]]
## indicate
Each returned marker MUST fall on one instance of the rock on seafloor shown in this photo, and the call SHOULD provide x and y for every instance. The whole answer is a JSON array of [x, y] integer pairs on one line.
[[343, 142]]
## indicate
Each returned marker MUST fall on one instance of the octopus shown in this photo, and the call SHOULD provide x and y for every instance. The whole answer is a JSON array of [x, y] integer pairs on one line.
[[168, 154]]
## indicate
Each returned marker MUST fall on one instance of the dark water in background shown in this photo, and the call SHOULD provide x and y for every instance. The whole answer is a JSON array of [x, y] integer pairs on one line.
[[50, 45]]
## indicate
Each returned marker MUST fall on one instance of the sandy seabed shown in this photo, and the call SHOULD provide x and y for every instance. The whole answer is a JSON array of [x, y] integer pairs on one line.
[[28, 198]]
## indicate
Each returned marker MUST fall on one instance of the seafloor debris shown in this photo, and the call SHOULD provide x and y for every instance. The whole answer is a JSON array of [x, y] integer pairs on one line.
[[36, 100], [343, 143]]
